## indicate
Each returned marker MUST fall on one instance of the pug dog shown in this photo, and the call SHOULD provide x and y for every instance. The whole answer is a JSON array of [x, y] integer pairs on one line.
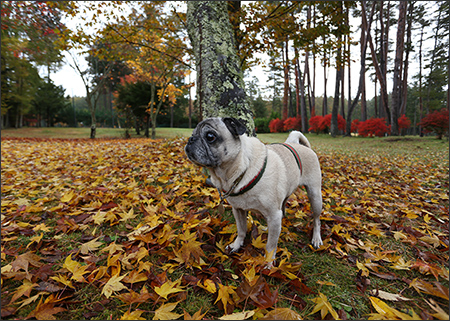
[[257, 177]]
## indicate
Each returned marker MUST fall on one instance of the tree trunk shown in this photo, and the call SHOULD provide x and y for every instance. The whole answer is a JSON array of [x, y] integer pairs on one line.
[[325, 102], [408, 47], [363, 72], [92, 108], [381, 79], [420, 79], [301, 87], [433, 57], [365, 29], [297, 85], [384, 46], [343, 81], [335, 111], [220, 84], [398, 64], [286, 82]]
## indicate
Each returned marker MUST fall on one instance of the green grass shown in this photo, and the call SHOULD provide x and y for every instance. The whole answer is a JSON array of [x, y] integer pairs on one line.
[[321, 143]]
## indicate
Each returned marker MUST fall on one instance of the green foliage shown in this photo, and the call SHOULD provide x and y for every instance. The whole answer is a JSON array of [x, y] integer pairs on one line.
[[50, 103], [262, 125]]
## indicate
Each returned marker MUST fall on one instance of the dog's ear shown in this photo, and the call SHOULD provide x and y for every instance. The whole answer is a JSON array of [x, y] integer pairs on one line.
[[234, 126]]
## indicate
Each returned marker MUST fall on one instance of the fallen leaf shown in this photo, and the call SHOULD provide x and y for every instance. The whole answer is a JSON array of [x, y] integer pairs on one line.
[[196, 316], [113, 285], [388, 296], [238, 315], [282, 314], [385, 312], [164, 312], [90, 246], [224, 293], [169, 288], [24, 289], [323, 306], [135, 315]]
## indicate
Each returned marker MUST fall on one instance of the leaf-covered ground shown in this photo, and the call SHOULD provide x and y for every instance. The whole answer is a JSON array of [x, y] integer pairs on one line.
[[126, 229]]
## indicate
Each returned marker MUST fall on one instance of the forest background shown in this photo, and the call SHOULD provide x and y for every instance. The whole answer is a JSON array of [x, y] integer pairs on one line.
[[135, 62]]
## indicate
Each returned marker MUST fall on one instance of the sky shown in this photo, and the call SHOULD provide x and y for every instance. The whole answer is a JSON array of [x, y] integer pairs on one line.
[[72, 83]]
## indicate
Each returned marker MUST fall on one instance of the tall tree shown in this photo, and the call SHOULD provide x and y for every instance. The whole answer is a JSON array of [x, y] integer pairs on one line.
[[152, 44], [408, 49], [220, 84], [365, 30], [30, 33], [93, 88], [398, 65]]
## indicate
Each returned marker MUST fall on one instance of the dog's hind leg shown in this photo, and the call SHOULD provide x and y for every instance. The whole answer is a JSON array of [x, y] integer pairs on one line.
[[240, 217], [273, 233], [315, 198]]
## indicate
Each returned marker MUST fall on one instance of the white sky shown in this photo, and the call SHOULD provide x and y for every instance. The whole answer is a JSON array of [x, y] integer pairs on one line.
[[74, 86]]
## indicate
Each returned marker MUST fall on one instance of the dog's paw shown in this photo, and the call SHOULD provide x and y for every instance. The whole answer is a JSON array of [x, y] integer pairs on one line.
[[233, 247], [317, 242]]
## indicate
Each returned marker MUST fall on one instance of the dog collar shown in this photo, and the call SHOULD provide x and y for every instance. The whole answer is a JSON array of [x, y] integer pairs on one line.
[[247, 187], [296, 155]]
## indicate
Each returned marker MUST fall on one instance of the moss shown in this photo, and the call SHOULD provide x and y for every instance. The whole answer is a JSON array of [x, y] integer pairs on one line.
[[220, 84]]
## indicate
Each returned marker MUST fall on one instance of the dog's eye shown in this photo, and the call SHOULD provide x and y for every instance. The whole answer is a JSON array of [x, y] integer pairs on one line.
[[210, 137]]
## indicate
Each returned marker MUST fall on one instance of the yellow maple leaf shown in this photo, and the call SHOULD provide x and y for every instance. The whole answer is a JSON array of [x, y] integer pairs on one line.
[[125, 216], [113, 285], [224, 294], [196, 316], [362, 267], [258, 242], [433, 240], [164, 312], [239, 316], [24, 289], [135, 315], [324, 307], [385, 312], [168, 288], [208, 285], [113, 248], [90, 246], [250, 275], [36, 239], [63, 279], [76, 268], [42, 227], [400, 264], [67, 197]]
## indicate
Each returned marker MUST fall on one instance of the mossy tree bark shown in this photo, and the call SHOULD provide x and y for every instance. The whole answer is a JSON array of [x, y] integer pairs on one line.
[[220, 83]]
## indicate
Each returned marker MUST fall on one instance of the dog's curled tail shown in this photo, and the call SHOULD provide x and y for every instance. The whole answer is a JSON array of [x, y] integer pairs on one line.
[[295, 137]]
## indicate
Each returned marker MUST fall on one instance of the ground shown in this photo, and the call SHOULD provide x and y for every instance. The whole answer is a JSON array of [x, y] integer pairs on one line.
[[116, 228]]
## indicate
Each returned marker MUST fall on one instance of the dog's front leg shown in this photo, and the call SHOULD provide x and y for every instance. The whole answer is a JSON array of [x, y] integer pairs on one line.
[[240, 217], [273, 233]]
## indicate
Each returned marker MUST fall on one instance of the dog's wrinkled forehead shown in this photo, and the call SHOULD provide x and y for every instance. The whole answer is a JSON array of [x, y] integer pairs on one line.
[[208, 124]]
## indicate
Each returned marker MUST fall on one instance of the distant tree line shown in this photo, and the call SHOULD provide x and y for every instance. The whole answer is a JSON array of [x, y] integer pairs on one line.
[[139, 60]]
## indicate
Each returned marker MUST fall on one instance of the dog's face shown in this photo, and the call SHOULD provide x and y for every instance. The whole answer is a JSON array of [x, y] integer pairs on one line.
[[215, 141]]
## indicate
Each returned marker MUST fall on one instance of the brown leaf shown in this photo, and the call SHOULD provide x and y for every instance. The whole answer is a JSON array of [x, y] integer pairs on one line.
[[282, 314]]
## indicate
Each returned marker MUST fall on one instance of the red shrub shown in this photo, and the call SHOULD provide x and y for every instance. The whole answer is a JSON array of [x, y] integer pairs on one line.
[[314, 123], [404, 122], [373, 127], [326, 123], [354, 127], [293, 123], [276, 125], [437, 122]]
